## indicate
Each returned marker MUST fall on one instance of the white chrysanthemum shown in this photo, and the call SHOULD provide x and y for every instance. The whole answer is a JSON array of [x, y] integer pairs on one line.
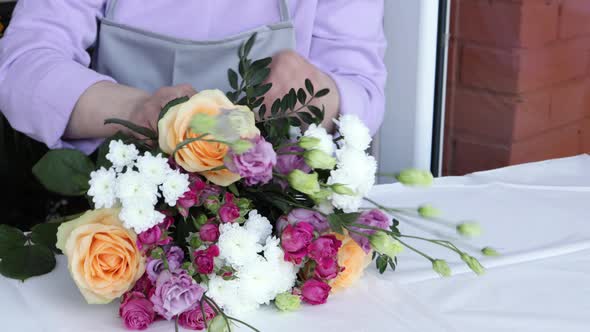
[[326, 140], [174, 186], [121, 154], [237, 246], [356, 170], [132, 189], [258, 225], [226, 293], [356, 134], [140, 217], [153, 168], [102, 188]]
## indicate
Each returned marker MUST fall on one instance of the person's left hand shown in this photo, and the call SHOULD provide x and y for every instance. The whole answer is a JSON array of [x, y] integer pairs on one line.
[[290, 70]]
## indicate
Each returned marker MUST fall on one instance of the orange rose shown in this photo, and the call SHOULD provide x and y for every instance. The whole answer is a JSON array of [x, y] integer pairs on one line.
[[198, 156], [103, 258], [354, 260]]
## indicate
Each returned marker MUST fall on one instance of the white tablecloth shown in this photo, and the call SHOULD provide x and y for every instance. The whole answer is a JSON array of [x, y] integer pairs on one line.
[[536, 214]]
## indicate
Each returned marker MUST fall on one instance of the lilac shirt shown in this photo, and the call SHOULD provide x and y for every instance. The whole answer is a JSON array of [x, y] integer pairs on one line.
[[44, 63]]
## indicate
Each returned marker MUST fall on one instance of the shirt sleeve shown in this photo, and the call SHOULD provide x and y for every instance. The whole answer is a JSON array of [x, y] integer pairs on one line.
[[348, 44], [44, 67]]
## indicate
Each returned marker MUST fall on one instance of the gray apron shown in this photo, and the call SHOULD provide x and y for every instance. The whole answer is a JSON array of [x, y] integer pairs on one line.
[[149, 61]]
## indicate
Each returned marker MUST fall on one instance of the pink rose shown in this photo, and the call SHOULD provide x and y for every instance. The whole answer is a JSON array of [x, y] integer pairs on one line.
[[326, 246], [315, 292], [209, 232], [137, 311], [144, 285], [204, 259], [295, 241], [229, 211], [191, 197], [194, 320], [327, 269], [149, 237]]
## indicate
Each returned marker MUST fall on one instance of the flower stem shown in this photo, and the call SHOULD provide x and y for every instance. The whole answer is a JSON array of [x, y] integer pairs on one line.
[[415, 250], [176, 324]]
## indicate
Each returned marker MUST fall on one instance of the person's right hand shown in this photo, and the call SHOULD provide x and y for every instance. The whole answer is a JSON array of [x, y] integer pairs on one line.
[[147, 111]]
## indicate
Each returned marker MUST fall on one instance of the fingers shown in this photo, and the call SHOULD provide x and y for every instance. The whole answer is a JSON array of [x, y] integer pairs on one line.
[[166, 94]]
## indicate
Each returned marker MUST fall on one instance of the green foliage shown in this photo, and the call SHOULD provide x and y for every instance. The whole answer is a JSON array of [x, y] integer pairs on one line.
[[338, 221], [46, 234], [10, 239], [65, 171], [171, 104], [144, 131]]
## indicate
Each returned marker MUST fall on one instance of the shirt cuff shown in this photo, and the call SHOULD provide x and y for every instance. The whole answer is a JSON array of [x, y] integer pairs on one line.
[[57, 94]]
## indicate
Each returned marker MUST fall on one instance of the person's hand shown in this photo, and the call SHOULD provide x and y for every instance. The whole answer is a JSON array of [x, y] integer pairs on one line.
[[290, 70], [148, 109]]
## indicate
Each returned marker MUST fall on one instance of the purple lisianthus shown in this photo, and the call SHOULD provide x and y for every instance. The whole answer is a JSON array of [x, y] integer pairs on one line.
[[254, 165], [316, 219], [288, 161], [193, 319], [154, 267], [176, 292], [374, 218]]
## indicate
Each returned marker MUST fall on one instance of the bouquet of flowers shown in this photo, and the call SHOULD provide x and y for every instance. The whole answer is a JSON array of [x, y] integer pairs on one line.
[[230, 205]]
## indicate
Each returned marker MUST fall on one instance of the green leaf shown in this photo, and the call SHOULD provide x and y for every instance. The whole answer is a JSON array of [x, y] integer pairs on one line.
[[309, 87], [381, 263], [169, 105], [322, 93], [144, 131], [335, 223], [257, 103], [295, 122], [306, 117], [259, 76], [46, 234], [285, 103], [301, 96], [349, 218], [187, 142], [234, 190], [315, 111], [262, 111], [261, 90], [65, 172], [262, 63], [10, 239], [292, 99], [29, 261], [232, 76], [248, 45], [274, 110]]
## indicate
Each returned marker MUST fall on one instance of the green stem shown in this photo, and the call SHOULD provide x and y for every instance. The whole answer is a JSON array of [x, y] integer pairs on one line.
[[176, 324], [415, 250], [219, 311], [442, 243], [243, 323], [286, 114]]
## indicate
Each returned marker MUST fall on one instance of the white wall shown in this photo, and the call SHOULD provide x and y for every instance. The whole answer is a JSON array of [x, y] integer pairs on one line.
[[405, 139]]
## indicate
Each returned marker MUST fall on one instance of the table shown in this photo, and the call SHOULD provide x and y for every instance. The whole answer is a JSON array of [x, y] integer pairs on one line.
[[536, 214]]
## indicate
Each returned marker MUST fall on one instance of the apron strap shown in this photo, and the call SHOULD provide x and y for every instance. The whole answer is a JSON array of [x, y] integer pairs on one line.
[[110, 10], [285, 15]]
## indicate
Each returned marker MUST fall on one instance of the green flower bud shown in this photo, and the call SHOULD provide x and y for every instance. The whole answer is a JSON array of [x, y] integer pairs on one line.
[[203, 123], [318, 159], [157, 253], [243, 203], [385, 244], [218, 324], [320, 196], [303, 182], [488, 251], [189, 267], [309, 143], [212, 204], [342, 189], [201, 220], [473, 264], [288, 302], [415, 177], [241, 146], [441, 267], [428, 211], [194, 240], [469, 229]]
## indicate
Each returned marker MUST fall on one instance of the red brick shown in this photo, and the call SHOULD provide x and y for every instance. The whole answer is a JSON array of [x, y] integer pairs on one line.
[[575, 18], [520, 71], [556, 143], [569, 102], [516, 24], [453, 60], [471, 156], [585, 136]]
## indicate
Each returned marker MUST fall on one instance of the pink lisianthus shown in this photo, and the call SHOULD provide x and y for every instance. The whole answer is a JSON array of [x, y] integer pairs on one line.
[[229, 211], [137, 311], [204, 259], [295, 241], [326, 246], [209, 232], [255, 165], [316, 219], [327, 269], [194, 320], [374, 218], [315, 291]]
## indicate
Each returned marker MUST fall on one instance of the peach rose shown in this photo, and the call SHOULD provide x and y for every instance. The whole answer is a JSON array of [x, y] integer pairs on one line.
[[103, 257], [199, 156], [354, 260]]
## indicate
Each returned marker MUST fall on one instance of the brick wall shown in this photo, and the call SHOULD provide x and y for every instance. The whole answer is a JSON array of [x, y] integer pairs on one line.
[[519, 82]]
